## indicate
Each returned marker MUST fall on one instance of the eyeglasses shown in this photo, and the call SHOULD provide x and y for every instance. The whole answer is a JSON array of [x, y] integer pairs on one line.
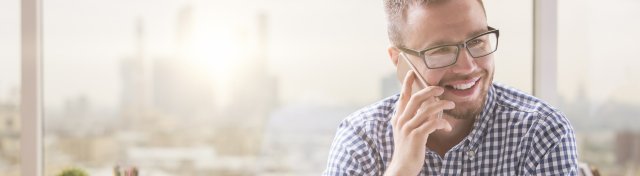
[[446, 55]]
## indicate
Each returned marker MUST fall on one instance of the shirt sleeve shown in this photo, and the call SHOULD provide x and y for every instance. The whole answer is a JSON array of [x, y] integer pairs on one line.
[[561, 158], [351, 153]]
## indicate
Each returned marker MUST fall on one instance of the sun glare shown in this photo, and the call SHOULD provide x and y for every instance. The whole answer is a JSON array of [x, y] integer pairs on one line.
[[217, 49], [216, 52]]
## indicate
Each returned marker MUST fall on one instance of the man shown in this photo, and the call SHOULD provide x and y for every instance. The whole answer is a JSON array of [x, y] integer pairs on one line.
[[463, 124]]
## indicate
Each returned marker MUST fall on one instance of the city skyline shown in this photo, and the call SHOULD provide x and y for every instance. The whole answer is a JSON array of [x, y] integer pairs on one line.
[[298, 84], [202, 85]]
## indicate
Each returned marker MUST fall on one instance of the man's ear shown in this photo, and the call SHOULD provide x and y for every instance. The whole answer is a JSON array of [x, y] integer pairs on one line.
[[393, 54]]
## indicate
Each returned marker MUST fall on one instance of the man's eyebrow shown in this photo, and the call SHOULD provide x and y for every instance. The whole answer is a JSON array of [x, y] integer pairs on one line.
[[444, 42]]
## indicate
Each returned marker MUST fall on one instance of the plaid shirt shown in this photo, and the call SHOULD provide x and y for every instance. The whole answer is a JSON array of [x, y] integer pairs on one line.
[[516, 134]]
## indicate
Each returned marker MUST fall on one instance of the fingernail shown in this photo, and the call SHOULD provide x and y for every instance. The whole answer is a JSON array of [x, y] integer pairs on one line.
[[450, 105]]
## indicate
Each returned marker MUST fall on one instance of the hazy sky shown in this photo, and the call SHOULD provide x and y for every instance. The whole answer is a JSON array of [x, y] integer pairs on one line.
[[322, 52], [9, 47]]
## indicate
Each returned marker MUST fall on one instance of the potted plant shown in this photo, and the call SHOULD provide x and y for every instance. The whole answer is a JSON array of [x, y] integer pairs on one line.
[[73, 172]]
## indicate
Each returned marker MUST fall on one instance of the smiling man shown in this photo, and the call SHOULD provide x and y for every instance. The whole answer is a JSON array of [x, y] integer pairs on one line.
[[450, 118]]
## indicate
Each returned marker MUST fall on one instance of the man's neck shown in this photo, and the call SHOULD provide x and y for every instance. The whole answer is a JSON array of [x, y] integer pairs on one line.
[[441, 141]]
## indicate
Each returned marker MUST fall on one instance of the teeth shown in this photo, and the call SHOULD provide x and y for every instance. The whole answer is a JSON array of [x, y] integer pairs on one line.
[[463, 86]]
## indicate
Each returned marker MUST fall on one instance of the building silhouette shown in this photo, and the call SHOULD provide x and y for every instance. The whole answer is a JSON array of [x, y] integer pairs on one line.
[[10, 132], [254, 96], [136, 82]]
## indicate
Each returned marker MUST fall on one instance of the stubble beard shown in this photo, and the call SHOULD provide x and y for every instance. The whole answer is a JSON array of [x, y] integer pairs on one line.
[[469, 110]]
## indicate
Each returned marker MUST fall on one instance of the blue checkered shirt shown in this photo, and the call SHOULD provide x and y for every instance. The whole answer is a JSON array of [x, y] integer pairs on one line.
[[515, 134]]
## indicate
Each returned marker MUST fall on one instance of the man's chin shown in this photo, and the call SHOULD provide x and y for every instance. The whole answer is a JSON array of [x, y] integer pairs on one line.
[[463, 114], [467, 109], [471, 107]]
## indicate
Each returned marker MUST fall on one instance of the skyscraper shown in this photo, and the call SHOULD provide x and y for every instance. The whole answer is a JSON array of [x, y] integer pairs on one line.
[[136, 81]]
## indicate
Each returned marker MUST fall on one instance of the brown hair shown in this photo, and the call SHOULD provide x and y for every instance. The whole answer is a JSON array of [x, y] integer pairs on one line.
[[396, 11]]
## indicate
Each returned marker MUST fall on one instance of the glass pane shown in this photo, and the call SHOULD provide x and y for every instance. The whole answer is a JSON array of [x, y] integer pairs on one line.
[[204, 87], [220, 87], [514, 57], [10, 88], [598, 81]]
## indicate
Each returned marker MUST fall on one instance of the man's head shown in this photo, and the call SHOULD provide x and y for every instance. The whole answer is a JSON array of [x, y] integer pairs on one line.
[[421, 24]]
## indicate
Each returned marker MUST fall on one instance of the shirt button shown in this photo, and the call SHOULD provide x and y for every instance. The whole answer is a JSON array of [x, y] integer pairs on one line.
[[471, 154]]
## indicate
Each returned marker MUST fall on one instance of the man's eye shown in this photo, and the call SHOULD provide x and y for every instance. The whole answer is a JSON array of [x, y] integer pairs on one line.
[[443, 50], [475, 43]]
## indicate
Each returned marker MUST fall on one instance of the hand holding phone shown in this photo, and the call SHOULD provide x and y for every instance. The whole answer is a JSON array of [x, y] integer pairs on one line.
[[417, 116], [402, 63]]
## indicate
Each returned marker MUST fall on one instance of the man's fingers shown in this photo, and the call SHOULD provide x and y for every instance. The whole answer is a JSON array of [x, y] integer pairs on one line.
[[405, 95], [429, 127], [416, 101], [430, 112], [407, 86]]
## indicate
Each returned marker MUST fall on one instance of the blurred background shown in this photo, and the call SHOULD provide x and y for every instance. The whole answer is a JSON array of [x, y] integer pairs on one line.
[[258, 87]]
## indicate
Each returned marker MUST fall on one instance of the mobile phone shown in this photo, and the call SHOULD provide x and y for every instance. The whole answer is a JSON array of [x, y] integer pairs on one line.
[[402, 70], [404, 65]]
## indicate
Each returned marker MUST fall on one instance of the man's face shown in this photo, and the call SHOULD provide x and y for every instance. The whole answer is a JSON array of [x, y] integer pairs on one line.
[[451, 22]]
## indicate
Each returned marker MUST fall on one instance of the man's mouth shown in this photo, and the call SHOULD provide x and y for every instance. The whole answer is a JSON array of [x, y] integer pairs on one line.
[[462, 90], [462, 85]]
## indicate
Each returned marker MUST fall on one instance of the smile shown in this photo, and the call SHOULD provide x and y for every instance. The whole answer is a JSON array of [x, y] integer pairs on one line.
[[464, 84]]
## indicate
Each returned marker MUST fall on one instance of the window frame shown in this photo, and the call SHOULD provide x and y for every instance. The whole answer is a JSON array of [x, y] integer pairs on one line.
[[31, 148], [545, 46]]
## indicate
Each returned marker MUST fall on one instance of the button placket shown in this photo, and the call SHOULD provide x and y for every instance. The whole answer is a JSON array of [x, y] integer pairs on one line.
[[471, 154]]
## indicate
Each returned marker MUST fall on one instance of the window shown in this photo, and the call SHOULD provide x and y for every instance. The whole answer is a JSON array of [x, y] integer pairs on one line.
[[598, 81], [214, 88], [10, 88], [514, 57]]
